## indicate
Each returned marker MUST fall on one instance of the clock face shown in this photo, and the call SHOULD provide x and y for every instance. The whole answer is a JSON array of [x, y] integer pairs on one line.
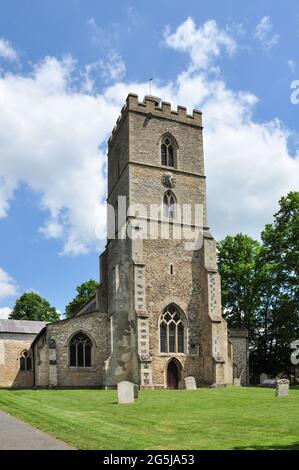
[[168, 181]]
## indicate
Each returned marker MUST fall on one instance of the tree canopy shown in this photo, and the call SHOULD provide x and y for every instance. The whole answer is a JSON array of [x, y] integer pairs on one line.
[[237, 264], [260, 287], [31, 306], [278, 289], [85, 292]]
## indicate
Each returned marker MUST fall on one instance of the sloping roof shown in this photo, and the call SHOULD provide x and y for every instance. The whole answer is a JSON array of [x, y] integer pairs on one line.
[[21, 326], [89, 307]]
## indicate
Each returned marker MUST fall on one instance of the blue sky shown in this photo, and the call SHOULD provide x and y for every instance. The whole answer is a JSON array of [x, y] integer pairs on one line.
[[65, 70]]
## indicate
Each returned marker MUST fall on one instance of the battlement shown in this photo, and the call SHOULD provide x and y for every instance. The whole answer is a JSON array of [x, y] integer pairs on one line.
[[154, 107]]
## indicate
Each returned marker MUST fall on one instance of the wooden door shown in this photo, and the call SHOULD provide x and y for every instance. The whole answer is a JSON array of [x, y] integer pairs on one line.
[[172, 375]]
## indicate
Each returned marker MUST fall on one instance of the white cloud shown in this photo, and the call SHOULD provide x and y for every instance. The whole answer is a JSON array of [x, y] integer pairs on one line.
[[53, 135], [292, 65], [52, 229], [5, 312], [236, 29], [88, 77], [8, 287], [7, 52], [49, 139], [134, 18], [113, 67], [203, 44], [247, 163], [101, 38], [264, 34]]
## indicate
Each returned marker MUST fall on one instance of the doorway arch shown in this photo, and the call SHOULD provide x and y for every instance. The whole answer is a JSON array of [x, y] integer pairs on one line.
[[173, 374]]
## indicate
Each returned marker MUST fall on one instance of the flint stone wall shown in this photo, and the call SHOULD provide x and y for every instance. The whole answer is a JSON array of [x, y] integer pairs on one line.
[[96, 327]]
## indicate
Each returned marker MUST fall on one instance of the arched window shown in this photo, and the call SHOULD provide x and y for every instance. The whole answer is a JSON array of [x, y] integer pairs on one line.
[[171, 331], [167, 152], [25, 361], [80, 351], [169, 203]]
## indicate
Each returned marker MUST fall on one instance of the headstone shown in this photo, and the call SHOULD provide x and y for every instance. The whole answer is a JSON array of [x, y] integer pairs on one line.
[[136, 390], [190, 383], [263, 377], [125, 392], [237, 382], [282, 387], [271, 383]]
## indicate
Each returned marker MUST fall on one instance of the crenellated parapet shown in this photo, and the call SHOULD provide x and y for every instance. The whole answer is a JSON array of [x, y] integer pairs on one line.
[[152, 106]]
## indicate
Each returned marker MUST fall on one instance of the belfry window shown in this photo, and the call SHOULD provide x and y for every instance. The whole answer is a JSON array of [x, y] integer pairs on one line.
[[167, 152], [171, 331], [80, 351], [25, 361], [169, 205]]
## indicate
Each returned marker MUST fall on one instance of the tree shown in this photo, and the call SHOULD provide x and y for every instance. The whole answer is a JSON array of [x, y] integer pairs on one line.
[[237, 258], [31, 306], [278, 281], [85, 292], [260, 288]]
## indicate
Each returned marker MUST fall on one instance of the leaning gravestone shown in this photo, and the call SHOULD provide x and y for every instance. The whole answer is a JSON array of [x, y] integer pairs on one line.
[[190, 383], [282, 387], [125, 392], [263, 377]]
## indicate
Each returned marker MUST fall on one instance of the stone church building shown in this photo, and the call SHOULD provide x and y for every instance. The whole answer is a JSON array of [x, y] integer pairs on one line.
[[156, 317], [16, 361]]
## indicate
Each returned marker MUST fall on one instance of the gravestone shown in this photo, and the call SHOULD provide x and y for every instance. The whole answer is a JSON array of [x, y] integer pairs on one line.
[[237, 382], [190, 383], [282, 387], [136, 391], [271, 383], [263, 377], [125, 392]]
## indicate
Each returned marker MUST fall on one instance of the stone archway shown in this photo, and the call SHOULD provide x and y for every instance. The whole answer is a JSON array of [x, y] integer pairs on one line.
[[173, 374]]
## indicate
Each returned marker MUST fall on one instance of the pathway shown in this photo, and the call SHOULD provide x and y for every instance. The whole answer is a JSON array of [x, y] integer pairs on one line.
[[17, 435]]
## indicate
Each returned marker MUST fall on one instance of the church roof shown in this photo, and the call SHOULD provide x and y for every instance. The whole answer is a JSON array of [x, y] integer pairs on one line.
[[21, 326]]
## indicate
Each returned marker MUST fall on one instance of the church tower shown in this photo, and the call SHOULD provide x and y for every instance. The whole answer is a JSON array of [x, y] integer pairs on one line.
[[158, 272]]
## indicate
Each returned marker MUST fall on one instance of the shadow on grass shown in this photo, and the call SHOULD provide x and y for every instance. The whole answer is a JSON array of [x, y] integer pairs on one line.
[[294, 446]]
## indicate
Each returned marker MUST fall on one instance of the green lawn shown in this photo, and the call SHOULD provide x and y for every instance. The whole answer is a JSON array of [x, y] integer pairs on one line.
[[230, 418]]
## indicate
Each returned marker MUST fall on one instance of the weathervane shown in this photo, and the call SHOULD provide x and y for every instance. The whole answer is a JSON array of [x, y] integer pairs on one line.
[[150, 85]]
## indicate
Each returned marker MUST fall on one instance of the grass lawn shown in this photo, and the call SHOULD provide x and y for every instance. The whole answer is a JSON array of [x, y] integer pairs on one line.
[[230, 418]]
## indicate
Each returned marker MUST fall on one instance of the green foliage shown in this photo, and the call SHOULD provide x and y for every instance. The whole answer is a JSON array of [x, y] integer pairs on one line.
[[31, 306], [236, 260], [261, 287], [278, 282], [86, 291]]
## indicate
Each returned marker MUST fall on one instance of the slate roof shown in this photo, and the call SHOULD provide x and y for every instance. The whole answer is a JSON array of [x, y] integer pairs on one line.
[[21, 326]]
